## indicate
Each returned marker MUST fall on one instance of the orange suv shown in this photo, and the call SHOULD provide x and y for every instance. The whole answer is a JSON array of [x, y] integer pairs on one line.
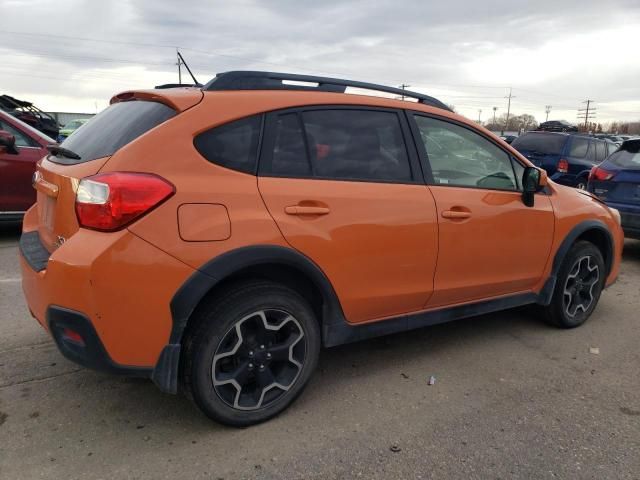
[[215, 238]]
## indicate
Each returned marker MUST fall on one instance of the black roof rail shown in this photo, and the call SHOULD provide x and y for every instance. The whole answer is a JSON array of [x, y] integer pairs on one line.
[[255, 80], [177, 85]]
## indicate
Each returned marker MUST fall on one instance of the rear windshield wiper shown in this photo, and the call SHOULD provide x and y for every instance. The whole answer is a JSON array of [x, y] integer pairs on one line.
[[65, 152]]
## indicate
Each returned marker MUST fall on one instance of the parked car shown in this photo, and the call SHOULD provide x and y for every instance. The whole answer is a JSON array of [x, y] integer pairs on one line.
[[28, 113], [567, 158], [557, 126], [215, 238], [21, 146], [508, 138], [71, 127], [617, 182]]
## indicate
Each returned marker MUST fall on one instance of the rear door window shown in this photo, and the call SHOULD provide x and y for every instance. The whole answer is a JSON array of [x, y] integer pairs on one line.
[[340, 144], [579, 147], [113, 128]]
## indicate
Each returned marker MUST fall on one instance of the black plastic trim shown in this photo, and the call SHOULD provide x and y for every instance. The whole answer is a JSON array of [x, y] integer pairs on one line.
[[256, 80], [546, 293], [92, 353], [341, 332], [33, 251]]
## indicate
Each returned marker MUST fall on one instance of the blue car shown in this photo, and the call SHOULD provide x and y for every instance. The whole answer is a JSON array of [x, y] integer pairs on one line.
[[617, 182], [567, 157]]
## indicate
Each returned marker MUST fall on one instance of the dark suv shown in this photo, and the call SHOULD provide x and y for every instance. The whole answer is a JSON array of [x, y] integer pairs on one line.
[[567, 158]]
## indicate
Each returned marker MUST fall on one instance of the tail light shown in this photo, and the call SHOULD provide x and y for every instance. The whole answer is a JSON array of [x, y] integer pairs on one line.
[[111, 201], [563, 166], [599, 174]]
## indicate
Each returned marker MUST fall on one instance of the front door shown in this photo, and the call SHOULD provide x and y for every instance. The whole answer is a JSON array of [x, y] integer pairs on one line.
[[491, 244], [16, 172], [346, 191]]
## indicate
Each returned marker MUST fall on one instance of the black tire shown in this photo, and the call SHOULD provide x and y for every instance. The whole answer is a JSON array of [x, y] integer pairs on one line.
[[227, 327], [575, 298]]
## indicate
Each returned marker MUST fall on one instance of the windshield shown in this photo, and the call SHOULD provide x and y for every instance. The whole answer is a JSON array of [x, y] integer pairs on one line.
[[545, 143], [113, 128]]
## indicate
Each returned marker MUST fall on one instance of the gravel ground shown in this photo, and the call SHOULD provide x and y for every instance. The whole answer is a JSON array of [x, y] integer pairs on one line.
[[513, 398]]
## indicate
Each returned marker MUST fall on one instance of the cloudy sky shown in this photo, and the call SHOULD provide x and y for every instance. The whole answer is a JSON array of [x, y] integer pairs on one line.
[[73, 55]]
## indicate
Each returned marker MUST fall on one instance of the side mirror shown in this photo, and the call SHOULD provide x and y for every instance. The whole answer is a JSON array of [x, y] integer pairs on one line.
[[533, 180], [8, 142]]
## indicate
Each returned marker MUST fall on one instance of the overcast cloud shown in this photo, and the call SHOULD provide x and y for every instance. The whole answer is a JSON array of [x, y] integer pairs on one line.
[[467, 53]]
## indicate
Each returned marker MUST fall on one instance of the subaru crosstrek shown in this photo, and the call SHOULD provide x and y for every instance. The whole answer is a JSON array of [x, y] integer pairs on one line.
[[215, 238]]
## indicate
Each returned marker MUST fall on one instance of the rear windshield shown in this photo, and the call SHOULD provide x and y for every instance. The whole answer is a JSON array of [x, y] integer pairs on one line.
[[629, 157], [112, 129], [548, 144]]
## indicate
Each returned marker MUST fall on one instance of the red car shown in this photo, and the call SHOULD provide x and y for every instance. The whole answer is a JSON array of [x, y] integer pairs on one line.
[[21, 146]]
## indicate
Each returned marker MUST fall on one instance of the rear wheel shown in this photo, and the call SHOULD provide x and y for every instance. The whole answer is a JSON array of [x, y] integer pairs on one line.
[[252, 354], [578, 286]]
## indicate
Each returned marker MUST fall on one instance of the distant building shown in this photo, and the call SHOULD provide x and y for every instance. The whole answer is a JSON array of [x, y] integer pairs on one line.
[[65, 117]]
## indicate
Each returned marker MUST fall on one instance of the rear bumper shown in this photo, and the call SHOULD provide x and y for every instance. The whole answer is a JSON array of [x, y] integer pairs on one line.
[[89, 351], [114, 289], [630, 218]]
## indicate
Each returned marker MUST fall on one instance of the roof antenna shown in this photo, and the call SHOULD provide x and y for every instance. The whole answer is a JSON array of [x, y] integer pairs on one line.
[[182, 62]]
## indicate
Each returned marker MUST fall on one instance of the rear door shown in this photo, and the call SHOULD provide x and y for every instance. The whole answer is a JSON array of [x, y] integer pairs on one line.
[[345, 188], [491, 244]]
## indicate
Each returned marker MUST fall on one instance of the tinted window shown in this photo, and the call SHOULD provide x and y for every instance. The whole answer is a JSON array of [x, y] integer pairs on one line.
[[629, 157], [458, 156], [233, 145], [545, 143], [601, 150], [579, 147], [113, 128], [342, 144], [290, 151], [21, 139]]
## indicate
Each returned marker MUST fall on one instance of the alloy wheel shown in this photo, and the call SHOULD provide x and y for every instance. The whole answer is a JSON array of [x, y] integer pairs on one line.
[[579, 287], [259, 359]]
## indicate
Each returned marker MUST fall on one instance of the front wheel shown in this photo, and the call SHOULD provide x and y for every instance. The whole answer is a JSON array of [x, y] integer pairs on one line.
[[253, 353], [578, 286]]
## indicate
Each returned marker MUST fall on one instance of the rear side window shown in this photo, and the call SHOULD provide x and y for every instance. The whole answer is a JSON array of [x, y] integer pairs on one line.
[[113, 128], [233, 145], [579, 147], [542, 143], [341, 144], [601, 151]]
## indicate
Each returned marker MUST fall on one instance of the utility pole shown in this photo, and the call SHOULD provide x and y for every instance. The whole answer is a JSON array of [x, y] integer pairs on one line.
[[587, 113], [179, 64], [404, 86], [547, 109], [494, 116], [506, 123], [479, 114]]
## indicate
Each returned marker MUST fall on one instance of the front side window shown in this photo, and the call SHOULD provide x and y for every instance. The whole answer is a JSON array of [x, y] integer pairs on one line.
[[341, 144], [460, 157], [21, 139]]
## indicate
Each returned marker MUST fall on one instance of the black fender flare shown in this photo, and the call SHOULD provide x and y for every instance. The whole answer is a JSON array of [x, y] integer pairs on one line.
[[546, 293], [203, 280]]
